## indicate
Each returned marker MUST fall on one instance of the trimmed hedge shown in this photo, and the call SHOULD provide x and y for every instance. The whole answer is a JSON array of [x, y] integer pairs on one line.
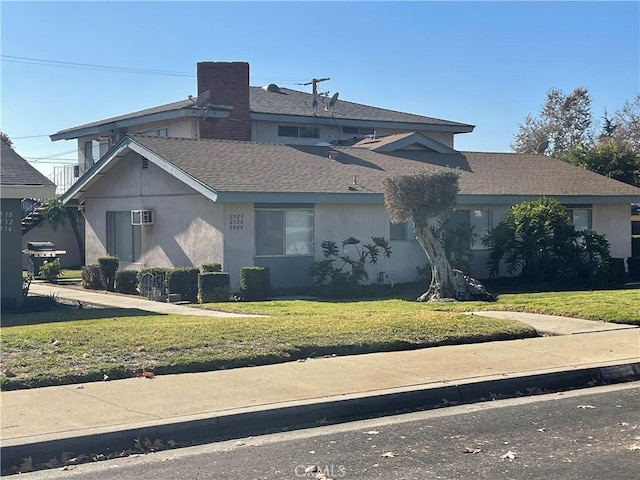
[[213, 287], [211, 267], [91, 277], [185, 282], [255, 283], [108, 268], [127, 281]]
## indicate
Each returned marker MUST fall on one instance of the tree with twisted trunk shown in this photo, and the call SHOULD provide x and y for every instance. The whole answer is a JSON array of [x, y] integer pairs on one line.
[[420, 197]]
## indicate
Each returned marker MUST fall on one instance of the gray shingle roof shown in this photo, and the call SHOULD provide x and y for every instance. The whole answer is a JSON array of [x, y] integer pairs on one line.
[[293, 103], [232, 166], [15, 170]]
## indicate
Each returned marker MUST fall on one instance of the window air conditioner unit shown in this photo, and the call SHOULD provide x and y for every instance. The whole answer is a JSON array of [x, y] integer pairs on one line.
[[141, 217]]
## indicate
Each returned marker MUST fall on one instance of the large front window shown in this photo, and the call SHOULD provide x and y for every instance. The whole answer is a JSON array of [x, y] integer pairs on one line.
[[123, 239], [284, 231]]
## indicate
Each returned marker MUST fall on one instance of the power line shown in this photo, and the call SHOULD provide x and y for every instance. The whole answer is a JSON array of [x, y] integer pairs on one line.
[[112, 68], [90, 66]]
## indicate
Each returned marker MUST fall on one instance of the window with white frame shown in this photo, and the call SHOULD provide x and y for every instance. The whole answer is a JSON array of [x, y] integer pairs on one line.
[[123, 239], [283, 231]]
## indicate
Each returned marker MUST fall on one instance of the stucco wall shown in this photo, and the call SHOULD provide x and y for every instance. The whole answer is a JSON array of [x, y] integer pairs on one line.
[[239, 233], [267, 132], [10, 235], [187, 229], [615, 222], [63, 238]]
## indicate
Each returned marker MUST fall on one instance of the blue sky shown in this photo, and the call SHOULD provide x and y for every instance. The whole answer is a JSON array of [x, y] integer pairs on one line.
[[484, 63]]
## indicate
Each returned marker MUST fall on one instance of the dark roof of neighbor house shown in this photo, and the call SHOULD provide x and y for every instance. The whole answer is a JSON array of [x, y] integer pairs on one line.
[[292, 103], [15, 170], [234, 166]]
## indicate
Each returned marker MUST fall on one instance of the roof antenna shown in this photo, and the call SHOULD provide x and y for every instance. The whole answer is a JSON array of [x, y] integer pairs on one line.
[[202, 102], [332, 103], [542, 146], [314, 82]]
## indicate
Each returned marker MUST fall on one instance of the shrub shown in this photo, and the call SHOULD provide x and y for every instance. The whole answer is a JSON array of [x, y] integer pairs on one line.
[[108, 268], [185, 282], [51, 270], [91, 277], [211, 267], [538, 242], [342, 275], [127, 281], [255, 283], [213, 287]]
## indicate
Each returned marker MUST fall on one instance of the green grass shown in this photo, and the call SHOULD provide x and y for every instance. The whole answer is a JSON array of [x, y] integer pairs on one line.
[[66, 345]]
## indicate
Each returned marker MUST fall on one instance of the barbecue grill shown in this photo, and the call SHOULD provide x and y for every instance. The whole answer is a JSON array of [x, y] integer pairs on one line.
[[40, 252]]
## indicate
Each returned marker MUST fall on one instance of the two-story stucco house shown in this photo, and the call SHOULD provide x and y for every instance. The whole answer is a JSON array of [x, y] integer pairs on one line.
[[261, 176]]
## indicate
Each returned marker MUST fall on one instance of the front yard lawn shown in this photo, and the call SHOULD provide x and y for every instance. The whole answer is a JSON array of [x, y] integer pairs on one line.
[[69, 345]]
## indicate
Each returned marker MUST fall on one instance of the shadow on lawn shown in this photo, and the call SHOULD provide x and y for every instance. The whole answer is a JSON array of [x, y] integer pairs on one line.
[[37, 310]]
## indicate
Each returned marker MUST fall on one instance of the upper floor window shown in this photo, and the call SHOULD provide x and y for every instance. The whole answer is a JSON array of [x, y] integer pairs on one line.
[[159, 132], [358, 130], [91, 151], [298, 132]]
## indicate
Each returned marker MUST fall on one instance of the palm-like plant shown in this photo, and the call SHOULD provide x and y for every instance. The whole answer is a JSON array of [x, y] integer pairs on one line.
[[57, 215]]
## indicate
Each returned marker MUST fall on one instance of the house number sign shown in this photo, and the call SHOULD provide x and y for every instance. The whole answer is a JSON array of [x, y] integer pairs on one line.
[[236, 221], [6, 219]]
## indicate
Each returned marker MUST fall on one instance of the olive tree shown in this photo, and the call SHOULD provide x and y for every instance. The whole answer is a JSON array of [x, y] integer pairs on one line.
[[420, 197]]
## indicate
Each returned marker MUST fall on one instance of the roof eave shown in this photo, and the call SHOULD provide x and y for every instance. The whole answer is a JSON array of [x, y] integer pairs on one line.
[[27, 191], [214, 111], [350, 122]]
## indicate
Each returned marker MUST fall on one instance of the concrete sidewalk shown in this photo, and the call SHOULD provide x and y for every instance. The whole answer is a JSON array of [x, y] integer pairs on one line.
[[246, 401]]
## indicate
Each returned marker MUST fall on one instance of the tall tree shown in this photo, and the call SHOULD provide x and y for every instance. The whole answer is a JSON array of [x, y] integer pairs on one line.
[[57, 215], [563, 123], [625, 124], [420, 197], [611, 158]]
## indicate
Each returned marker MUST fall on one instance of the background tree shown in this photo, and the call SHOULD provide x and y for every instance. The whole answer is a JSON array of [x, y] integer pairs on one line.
[[565, 122], [611, 158], [57, 215], [420, 197], [625, 124]]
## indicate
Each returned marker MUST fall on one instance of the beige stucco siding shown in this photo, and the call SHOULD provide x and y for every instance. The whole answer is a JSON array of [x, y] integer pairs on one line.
[[338, 222], [239, 234], [267, 132], [187, 228], [615, 222]]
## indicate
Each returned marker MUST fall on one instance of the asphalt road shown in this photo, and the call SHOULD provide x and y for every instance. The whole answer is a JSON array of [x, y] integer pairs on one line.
[[583, 434]]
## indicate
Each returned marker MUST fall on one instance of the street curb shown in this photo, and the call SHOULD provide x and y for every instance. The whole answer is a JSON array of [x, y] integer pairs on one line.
[[298, 415]]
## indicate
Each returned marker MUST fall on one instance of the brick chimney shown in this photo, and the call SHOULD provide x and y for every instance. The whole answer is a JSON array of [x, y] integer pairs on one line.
[[229, 85]]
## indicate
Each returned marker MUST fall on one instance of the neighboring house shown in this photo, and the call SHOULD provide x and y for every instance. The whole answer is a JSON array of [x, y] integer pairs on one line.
[[175, 202], [18, 180]]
